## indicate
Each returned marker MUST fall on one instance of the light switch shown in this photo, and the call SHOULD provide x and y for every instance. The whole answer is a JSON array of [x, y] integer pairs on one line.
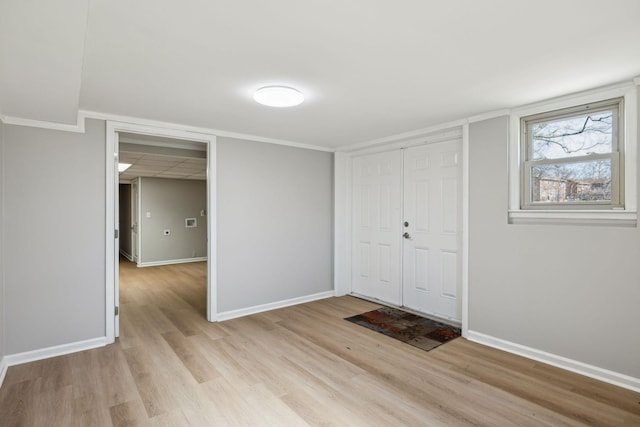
[[166, 232], [148, 214]]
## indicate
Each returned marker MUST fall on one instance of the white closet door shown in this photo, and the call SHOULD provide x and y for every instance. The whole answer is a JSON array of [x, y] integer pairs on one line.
[[431, 247], [376, 225]]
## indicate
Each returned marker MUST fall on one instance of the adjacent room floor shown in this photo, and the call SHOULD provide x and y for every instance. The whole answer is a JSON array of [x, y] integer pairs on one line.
[[296, 366]]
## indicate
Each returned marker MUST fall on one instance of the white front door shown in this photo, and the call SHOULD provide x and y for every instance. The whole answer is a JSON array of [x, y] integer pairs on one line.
[[376, 239], [432, 225]]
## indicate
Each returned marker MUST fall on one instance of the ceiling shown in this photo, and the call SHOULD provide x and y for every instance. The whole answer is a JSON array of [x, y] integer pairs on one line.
[[369, 68], [161, 158]]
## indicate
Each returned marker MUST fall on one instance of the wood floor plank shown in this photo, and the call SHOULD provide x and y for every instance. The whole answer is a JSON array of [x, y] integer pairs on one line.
[[196, 363], [297, 366], [15, 398], [129, 414], [53, 407], [225, 361], [230, 404]]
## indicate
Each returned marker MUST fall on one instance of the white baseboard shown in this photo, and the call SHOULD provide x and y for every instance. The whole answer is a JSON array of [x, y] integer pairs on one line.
[[585, 369], [126, 255], [171, 261], [232, 314], [3, 369], [59, 350]]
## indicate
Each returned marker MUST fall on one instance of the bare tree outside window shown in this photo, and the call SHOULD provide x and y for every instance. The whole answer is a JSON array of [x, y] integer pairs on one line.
[[571, 157]]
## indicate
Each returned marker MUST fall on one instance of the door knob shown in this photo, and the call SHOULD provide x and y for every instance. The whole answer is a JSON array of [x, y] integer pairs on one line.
[[406, 235]]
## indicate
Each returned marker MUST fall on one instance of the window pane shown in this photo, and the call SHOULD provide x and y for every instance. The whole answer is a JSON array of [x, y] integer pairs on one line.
[[571, 182], [573, 136]]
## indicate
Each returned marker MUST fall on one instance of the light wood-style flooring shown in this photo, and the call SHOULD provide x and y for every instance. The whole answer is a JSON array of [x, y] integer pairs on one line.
[[296, 366]]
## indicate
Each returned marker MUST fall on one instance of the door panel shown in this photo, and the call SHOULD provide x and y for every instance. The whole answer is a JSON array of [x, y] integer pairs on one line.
[[376, 240], [421, 268], [432, 196]]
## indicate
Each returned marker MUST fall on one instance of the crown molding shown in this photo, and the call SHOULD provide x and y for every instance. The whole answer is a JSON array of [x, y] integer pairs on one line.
[[361, 146], [418, 133], [19, 121], [584, 96], [200, 130], [489, 115], [79, 127]]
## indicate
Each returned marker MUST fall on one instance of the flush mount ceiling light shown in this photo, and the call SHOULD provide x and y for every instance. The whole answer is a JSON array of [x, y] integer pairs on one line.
[[123, 167], [278, 96]]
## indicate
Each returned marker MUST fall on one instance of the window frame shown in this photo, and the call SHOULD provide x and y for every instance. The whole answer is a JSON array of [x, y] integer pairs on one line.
[[622, 214], [616, 155]]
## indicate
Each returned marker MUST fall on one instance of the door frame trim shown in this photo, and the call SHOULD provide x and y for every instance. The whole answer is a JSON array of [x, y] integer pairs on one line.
[[343, 208], [112, 130]]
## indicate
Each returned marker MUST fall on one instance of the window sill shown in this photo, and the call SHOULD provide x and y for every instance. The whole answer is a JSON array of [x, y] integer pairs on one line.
[[618, 218]]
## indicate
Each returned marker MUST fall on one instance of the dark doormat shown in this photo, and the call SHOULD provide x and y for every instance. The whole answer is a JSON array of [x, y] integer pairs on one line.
[[418, 331]]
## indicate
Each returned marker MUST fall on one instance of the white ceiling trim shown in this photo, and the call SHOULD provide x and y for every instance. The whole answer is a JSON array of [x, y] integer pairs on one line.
[[412, 135], [432, 138], [79, 127], [489, 115], [419, 133], [576, 98], [83, 115], [199, 130], [19, 121]]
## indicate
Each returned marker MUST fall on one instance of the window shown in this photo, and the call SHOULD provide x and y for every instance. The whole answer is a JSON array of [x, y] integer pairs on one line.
[[573, 158]]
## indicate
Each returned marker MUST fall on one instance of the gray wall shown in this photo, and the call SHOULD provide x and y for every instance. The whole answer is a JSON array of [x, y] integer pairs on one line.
[[124, 197], [274, 230], [54, 236], [2, 319], [275, 209], [568, 290], [170, 201]]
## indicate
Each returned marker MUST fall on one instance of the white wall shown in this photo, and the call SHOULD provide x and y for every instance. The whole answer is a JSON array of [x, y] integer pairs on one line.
[[275, 226], [170, 201], [54, 236], [572, 291]]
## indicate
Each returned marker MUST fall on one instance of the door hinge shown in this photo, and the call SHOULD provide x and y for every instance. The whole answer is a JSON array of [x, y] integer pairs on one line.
[[116, 234], [117, 310]]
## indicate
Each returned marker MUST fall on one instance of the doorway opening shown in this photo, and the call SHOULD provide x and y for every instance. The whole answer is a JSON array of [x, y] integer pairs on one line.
[[162, 197], [172, 175]]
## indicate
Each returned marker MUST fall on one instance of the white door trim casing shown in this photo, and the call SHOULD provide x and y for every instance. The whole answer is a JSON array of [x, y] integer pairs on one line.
[[116, 242], [113, 127], [135, 215], [343, 207], [465, 231]]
